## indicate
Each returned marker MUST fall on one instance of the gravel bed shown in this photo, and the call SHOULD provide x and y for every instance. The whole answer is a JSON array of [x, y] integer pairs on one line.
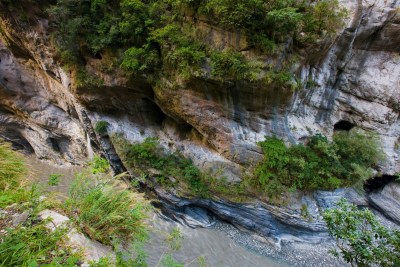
[[293, 254]]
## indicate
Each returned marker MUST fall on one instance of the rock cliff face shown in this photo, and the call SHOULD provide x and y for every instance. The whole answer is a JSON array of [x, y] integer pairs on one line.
[[356, 82]]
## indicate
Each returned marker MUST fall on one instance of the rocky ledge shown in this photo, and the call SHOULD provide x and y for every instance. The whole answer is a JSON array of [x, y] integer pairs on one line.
[[297, 222]]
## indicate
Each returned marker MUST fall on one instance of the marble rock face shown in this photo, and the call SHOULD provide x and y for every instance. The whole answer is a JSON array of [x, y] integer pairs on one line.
[[355, 81]]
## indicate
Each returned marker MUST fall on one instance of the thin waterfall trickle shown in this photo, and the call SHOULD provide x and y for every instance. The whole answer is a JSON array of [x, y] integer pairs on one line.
[[89, 147]]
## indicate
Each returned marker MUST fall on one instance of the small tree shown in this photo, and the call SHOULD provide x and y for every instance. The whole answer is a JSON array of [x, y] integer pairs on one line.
[[361, 239]]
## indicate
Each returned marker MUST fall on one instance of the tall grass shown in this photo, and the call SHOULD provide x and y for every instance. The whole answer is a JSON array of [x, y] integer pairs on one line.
[[105, 212], [12, 167], [35, 245]]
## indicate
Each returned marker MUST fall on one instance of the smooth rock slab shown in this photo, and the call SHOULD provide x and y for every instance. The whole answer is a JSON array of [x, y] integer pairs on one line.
[[387, 201], [92, 250]]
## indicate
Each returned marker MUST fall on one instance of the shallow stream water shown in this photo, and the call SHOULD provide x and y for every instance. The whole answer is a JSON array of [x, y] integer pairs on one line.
[[213, 245]]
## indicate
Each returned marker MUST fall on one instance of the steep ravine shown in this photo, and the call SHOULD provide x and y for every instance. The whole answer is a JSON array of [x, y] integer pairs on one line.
[[217, 124]]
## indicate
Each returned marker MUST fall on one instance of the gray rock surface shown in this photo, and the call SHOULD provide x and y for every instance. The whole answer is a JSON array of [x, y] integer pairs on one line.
[[387, 200], [277, 224], [92, 250]]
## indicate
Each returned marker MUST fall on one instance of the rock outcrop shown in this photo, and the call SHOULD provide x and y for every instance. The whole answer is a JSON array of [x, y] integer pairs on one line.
[[92, 251], [387, 200], [298, 221], [355, 81]]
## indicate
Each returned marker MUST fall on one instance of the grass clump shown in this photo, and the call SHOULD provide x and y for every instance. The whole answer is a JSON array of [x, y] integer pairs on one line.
[[319, 164], [12, 171], [35, 245], [99, 165], [54, 179], [101, 127], [32, 243], [104, 212], [12, 168]]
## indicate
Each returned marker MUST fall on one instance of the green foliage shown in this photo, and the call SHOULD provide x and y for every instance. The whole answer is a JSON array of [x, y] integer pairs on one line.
[[361, 239], [105, 212], [326, 15], [12, 167], [357, 149], [169, 261], [149, 155], [284, 20], [9, 197], [139, 59], [99, 165], [281, 79], [233, 65], [319, 164], [174, 239], [54, 179], [87, 80], [35, 245], [156, 42], [101, 127]]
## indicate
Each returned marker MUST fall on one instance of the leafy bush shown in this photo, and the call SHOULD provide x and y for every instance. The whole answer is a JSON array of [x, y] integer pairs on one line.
[[233, 65], [101, 127], [139, 59], [12, 167], [357, 149], [106, 213], [319, 164], [99, 165], [361, 239], [156, 42]]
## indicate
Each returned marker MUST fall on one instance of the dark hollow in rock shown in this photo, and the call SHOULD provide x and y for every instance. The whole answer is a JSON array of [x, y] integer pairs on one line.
[[377, 183], [343, 125]]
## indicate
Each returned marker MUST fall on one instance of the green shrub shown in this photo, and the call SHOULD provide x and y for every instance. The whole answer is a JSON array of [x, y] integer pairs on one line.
[[156, 42], [106, 213], [87, 80], [12, 167], [319, 164], [357, 148], [101, 127], [233, 65], [139, 59], [360, 238]]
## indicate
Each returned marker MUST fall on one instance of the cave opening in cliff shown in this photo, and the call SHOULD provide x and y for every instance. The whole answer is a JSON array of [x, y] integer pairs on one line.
[[343, 125], [17, 140], [55, 145], [379, 182], [152, 111]]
